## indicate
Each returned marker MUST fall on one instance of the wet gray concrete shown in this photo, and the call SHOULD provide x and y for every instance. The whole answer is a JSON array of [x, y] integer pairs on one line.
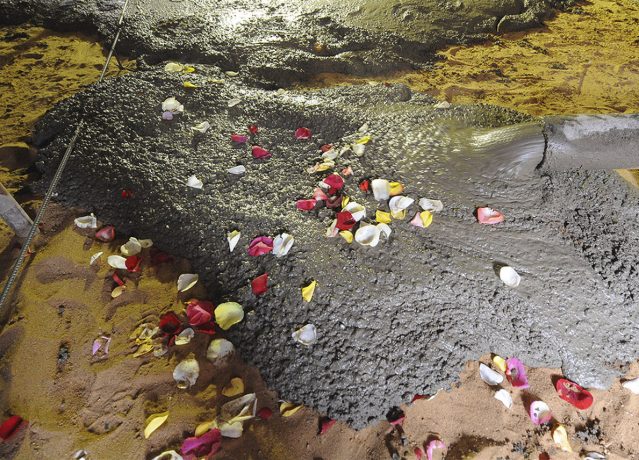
[[276, 42], [394, 320]]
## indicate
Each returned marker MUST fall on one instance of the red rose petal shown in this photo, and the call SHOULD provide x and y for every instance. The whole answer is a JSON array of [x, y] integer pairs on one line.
[[253, 129], [302, 134], [133, 263], [126, 194], [159, 257], [334, 182], [345, 220], [305, 205], [260, 246], [9, 427], [170, 324], [574, 394], [326, 424], [334, 202], [106, 234], [326, 147], [199, 312], [239, 138], [418, 397], [260, 153], [117, 279], [260, 284], [365, 185], [265, 413]]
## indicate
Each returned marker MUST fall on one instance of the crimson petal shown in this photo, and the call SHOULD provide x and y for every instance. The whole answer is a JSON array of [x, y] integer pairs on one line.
[[302, 134], [199, 312], [574, 394], [326, 424], [265, 413], [260, 284], [170, 324], [253, 129], [305, 205], [133, 263], [260, 153], [239, 138], [345, 220], [334, 182], [9, 427], [207, 444]]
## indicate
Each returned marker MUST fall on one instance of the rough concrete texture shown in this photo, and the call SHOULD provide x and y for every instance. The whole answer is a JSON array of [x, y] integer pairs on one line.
[[394, 320], [279, 42]]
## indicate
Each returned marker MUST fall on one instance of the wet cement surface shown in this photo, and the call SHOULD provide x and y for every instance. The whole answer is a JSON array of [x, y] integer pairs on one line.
[[394, 320], [280, 42]]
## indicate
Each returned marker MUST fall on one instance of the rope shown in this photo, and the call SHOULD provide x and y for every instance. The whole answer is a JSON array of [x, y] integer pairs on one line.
[[15, 270]]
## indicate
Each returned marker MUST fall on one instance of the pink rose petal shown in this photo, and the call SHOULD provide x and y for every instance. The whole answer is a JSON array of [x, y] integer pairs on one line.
[[348, 171], [302, 134], [434, 444], [260, 153], [489, 216], [417, 221], [101, 344], [516, 373], [239, 138], [540, 413], [206, 445], [326, 424], [199, 312], [306, 205], [260, 246]]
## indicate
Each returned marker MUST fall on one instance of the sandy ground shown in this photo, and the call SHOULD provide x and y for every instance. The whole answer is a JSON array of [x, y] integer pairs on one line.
[[73, 401]]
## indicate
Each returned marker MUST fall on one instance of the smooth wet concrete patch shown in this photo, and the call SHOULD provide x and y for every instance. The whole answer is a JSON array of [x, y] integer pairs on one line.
[[395, 320]]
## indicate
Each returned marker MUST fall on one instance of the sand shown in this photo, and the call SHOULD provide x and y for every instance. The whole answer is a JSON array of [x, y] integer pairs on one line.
[[100, 405]]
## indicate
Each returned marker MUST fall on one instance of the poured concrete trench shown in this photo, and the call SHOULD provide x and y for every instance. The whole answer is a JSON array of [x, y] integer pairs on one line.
[[395, 320]]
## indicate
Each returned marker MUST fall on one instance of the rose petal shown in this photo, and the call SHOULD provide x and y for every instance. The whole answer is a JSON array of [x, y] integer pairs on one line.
[[172, 105], [326, 424], [540, 413], [235, 387], [260, 245], [265, 413], [516, 373], [368, 235], [347, 235], [383, 217], [319, 195], [239, 138], [133, 263], [509, 276], [334, 183], [632, 385], [186, 281], [489, 216], [194, 182], [9, 427], [237, 170], [253, 129], [233, 237], [186, 372], [431, 205], [381, 189], [259, 284], [201, 127], [306, 335], [260, 153], [219, 349], [227, 314], [86, 222], [308, 291], [399, 203], [95, 257], [365, 185], [505, 398], [432, 445], [207, 444], [199, 312], [106, 234], [345, 221], [153, 422], [574, 394], [357, 210], [490, 376], [101, 344], [282, 244], [302, 134], [560, 436], [306, 205], [288, 409], [118, 262]]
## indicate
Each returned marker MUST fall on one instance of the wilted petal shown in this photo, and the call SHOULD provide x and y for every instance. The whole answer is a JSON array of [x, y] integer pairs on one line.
[[185, 336], [10, 426], [234, 388], [540, 412], [86, 222], [260, 153], [101, 345], [516, 373], [194, 182], [201, 127], [282, 244], [173, 67], [227, 314], [232, 430], [489, 216], [95, 257], [186, 281], [306, 335], [302, 134], [490, 376], [237, 408], [509, 276]]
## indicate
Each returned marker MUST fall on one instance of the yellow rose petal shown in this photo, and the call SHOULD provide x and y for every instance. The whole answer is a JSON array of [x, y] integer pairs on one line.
[[500, 363], [287, 409], [396, 188], [383, 217], [153, 422], [363, 140], [308, 291], [347, 235], [427, 218], [234, 388], [560, 436], [205, 427], [227, 314], [399, 214], [345, 201], [188, 84], [143, 349], [189, 69]]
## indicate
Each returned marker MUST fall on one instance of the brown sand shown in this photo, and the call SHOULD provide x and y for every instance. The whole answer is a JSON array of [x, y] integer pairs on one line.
[[74, 401]]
